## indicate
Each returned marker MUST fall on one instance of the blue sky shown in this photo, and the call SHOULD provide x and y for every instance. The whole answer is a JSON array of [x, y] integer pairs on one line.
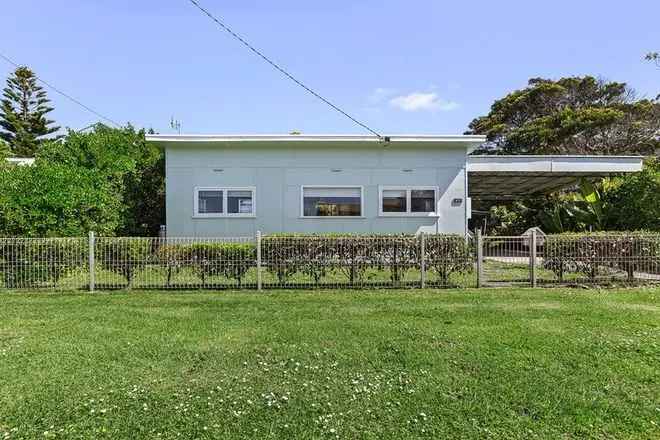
[[400, 66]]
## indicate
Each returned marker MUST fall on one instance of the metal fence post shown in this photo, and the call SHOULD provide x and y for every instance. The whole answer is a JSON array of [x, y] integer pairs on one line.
[[480, 259], [91, 246], [422, 262], [258, 260], [532, 258]]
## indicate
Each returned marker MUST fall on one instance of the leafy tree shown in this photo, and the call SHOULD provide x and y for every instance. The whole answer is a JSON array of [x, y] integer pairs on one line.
[[5, 151], [575, 115], [50, 200], [23, 111], [633, 200], [653, 57], [135, 169]]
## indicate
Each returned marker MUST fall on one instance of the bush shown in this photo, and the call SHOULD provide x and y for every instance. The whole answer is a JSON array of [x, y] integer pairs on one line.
[[124, 256], [447, 254], [123, 159], [52, 200], [231, 260], [34, 263], [587, 253], [632, 201], [282, 255], [353, 255]]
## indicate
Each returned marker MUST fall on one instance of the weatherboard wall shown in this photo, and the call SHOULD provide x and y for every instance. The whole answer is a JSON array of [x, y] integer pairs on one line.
[[279, 171]]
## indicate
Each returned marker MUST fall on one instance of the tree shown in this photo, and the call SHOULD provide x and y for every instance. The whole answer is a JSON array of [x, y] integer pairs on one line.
[[53, 200], [5, 151], [23, 111], [574, 115], [135, 169], [653, 57], [633, 200]]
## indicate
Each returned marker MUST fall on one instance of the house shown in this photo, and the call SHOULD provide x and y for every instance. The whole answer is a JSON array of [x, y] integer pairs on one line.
[[235, 185], [20, 160]]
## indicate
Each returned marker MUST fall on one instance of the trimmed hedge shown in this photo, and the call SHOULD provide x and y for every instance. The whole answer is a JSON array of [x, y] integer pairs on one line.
[[586, 253], [39, 262], [124, 256], [231, 260], [353, 255]]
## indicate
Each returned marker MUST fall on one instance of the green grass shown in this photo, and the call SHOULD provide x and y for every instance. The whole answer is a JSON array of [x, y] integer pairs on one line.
[[483, 363]]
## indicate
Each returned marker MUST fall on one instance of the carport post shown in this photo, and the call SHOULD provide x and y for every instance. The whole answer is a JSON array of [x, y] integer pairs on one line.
[[480, 258], [532, 258], [90, 253], [258, 260]]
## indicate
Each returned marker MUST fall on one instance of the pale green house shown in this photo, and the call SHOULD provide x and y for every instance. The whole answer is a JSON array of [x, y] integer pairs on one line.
[[236, 185]]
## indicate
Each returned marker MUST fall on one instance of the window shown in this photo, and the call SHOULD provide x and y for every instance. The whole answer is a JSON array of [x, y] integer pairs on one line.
[[210, 202], [407, 201], [341, 201], [224, 202], [395, 200], [422, 200]]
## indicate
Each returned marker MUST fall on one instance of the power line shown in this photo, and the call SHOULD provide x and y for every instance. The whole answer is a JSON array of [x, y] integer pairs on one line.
[[280, 69], [69, 97]]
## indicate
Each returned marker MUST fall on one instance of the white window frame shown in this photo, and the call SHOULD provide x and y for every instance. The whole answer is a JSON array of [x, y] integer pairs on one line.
[[302, 202], [225, 190], [408, 189]]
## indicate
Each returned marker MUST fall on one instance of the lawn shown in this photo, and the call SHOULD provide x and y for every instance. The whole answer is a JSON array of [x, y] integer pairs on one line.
[[526, 363]]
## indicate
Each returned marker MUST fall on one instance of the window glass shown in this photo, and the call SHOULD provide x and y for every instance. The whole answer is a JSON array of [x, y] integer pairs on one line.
[[422, 200], [332, 202], [209, 202], [239, 202], [394, 200]]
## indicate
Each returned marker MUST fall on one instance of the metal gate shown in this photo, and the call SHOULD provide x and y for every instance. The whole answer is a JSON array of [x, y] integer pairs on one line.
[[508, 260]]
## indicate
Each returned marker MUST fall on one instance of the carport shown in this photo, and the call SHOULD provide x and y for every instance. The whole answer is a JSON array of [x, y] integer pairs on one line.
[[501, 178]]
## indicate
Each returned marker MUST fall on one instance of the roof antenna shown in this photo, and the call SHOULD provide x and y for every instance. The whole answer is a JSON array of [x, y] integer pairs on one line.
[[175, 124]]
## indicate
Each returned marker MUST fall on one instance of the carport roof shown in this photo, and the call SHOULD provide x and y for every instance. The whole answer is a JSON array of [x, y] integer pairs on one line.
[[511, 177]]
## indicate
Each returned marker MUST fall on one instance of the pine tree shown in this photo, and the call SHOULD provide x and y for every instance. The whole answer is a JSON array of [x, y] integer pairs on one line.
[[23, 110]]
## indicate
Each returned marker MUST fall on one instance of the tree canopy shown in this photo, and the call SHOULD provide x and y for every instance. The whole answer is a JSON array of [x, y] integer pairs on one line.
[[51, 200], [574, 115], [23, 112], [134, 169]]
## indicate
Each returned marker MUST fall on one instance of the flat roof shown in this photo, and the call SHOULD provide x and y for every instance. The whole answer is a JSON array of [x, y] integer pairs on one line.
[[263, 138], [511, 177]]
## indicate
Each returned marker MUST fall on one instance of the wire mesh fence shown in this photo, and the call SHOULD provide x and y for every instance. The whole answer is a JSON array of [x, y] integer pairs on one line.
[[631, 258], [278, 261], [44, 263], [366, 261]]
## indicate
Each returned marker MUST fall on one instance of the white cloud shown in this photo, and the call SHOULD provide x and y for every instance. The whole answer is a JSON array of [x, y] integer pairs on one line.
[[418, 101], [380, 94]]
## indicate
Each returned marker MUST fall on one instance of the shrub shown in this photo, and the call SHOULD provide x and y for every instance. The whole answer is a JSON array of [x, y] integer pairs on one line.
[[52, 200], [124, 160], [587, 253], [281, 255], [352, 255], [447, 254], [231, 260], [32, 263], [124, 256]]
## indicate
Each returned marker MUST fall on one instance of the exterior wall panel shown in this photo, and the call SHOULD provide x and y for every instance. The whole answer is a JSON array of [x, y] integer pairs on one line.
[[279, 172]]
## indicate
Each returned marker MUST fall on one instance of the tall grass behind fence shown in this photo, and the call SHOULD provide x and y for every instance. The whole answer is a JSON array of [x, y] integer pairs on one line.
[[293, 261]]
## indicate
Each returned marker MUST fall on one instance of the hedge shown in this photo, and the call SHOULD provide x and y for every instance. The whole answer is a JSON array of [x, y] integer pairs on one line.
[[39, 262], [586, 253]]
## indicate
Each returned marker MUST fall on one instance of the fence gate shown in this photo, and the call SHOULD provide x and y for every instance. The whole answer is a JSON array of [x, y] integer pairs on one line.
[[511, 260]]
